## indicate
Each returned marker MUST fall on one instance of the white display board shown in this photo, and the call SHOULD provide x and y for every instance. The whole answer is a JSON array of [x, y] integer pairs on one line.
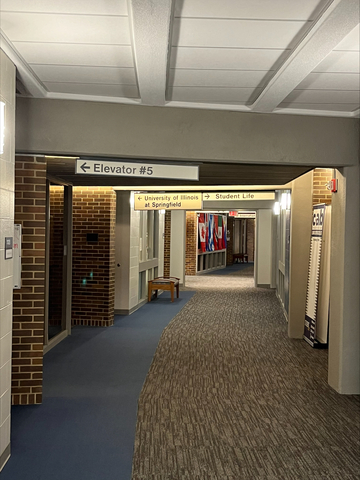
[[17, 257]]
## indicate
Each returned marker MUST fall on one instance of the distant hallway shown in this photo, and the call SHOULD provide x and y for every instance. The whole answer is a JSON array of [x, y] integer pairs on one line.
[[230, 396]]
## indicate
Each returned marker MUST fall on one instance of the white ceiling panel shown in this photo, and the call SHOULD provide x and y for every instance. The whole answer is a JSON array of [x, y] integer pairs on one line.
[[89, 7], [324, 96], [94, 89], [332, 81], [212, 94], [107, 75], [331, 107], [37, 27], [216, 78], [351, 41], [345, 62], [264, 9], [76, 54], [236, 33], [225, 58]]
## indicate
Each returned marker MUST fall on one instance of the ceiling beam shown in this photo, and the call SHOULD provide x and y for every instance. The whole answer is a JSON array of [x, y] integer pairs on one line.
[[333, 25], [27, 76], [150, 26]]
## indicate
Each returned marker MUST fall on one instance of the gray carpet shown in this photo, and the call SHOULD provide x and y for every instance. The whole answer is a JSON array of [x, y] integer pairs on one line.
[[230, 396]]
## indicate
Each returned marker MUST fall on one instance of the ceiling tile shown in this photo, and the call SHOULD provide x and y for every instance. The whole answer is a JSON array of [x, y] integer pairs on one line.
[[264, 9], [324, 96], [89, 7], [94, 89], [332, 107], [340, 62], [106, 75], [76, 54], [351, 41], [219, 78], [236, 33], [226, 58], [334, 81], [37, 27], [212, 94]]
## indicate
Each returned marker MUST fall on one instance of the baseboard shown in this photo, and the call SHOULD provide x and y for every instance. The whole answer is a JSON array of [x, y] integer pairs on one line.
[[264, 285], [124, 311], [4, 457]]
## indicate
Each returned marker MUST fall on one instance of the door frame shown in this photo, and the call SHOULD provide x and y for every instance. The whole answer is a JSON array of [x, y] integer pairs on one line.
[[67, 264]]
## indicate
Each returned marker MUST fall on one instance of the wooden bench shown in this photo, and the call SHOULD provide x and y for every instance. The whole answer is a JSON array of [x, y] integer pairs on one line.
[[164, 283], [241, 257]]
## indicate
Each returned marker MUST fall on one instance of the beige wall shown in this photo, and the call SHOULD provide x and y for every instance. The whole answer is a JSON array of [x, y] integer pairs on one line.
[[300, 232], [7, 169], [93, 128], [344, 329]]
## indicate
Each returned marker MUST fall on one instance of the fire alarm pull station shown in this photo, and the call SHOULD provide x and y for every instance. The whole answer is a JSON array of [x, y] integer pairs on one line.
[[332, 185]]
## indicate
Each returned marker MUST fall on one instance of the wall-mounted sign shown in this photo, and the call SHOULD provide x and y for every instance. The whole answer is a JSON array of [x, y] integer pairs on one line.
[[228, 196], [245, 215], [8, 248], [133, 169], [168, 201]]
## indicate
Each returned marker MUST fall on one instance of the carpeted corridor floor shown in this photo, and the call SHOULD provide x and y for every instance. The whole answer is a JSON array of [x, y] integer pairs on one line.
[[230, 396]]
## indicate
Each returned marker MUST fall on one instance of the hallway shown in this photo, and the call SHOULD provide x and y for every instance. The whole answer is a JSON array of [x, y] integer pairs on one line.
[[230, 396]]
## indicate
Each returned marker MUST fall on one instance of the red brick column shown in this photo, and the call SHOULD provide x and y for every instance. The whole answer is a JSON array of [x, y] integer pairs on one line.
[[191, 243], [167, 243], [229, 244], [93, 290], [321, 194], [29, 301], [250, 238]]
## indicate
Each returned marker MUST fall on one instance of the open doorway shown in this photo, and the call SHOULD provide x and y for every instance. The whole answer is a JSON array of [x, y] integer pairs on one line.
[[58, 264]]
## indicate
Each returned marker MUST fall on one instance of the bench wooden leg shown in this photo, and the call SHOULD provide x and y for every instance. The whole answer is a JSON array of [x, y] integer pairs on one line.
[[172, 292], [149, 292]]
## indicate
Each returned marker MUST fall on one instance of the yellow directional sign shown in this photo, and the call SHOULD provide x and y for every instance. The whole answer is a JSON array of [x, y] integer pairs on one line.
[[168, 201], [228, 196]]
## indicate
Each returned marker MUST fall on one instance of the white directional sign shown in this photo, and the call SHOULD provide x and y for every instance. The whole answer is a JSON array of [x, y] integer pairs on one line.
[[228, 196], [133, 169], [168, 201]]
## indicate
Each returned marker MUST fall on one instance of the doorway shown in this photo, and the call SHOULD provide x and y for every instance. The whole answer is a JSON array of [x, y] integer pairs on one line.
[[58, 263]]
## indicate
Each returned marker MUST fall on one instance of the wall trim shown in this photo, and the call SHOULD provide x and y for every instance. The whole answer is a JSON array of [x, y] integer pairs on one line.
[[4, 457], [125, 311]]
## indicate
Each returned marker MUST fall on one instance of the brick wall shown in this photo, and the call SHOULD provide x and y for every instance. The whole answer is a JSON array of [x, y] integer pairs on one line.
[[320, 193], [94, 210], [56, 253], [29, 301], [229, 247], [250, 238], [191, 243], [167, 243]]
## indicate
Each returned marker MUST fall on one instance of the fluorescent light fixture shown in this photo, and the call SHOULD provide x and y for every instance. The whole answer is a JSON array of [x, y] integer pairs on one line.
[[277, 208], [162, 212], [2, 127], [288, 201], [283, 201]]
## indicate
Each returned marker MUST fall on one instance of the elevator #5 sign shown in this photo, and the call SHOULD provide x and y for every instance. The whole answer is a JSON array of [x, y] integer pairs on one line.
[[135, 169]]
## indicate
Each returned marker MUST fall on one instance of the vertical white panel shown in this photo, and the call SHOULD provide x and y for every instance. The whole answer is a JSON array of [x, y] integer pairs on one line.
[[177, 244], [264, 247]]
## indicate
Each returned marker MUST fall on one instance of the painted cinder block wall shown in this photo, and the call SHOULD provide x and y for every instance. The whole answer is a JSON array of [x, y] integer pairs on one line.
[[7, 168]]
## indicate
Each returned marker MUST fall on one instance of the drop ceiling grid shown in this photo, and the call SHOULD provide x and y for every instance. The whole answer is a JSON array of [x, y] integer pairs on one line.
[[335, 83], [76, 47], [226, 52]]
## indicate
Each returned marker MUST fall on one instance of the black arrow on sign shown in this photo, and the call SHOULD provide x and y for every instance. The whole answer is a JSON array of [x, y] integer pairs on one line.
[[84, 167], [207, 196]]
